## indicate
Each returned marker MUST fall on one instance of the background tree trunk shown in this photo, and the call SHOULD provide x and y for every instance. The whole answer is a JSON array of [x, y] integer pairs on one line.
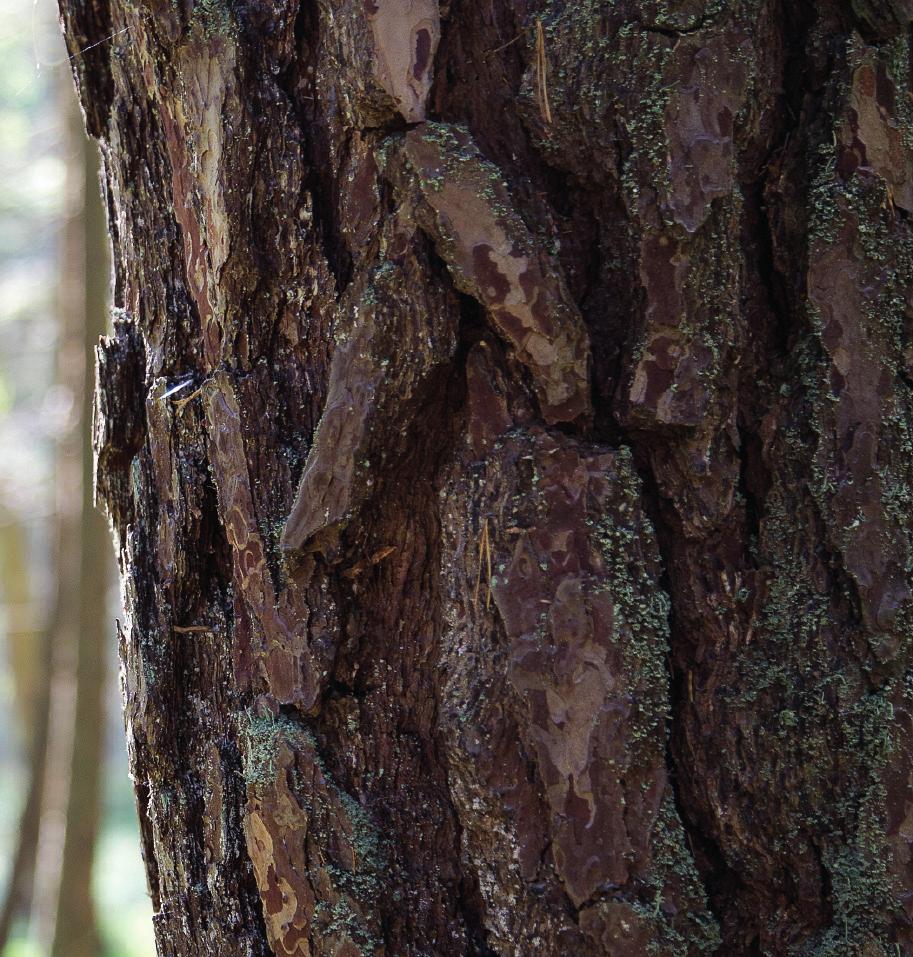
[[68, 796], [30, 652], [507, 439], [59, 663], [75, 933]]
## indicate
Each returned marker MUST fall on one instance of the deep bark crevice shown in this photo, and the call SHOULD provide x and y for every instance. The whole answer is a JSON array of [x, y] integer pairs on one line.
[[315, 138], [376, 719], [718, 878]]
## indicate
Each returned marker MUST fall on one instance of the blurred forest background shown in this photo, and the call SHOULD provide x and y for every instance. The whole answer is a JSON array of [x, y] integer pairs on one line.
[[65, 798]]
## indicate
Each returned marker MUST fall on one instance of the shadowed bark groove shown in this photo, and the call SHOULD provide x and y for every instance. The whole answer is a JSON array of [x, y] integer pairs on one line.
[[506, 439]]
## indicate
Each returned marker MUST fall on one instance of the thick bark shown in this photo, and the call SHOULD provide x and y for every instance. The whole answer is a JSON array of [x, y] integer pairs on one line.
[[506, 436]]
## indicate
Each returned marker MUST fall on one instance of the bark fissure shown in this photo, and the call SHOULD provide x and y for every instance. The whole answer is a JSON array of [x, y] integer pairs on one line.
[[539, 472]]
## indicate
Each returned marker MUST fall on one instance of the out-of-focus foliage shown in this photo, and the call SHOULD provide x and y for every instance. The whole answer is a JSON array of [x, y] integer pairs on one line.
[[31, 199]]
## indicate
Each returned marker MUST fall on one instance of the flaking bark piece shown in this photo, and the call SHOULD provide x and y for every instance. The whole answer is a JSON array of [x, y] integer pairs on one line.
[[396, 328], [119, 371], [285, 662], [406, 34], [576, 693], [380, 56], [464, 205], [882, 19], [316, 855]]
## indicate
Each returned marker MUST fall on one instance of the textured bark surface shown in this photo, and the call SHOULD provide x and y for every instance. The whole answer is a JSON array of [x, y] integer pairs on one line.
[[507, 437]]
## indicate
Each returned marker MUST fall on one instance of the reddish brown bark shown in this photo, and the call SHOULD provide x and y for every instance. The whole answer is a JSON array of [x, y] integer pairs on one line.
[[506, 436]]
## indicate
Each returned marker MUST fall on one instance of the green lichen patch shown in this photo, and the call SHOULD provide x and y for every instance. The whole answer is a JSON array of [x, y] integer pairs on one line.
[[215, 18], [641, 609], [691, 931], [261, 737]]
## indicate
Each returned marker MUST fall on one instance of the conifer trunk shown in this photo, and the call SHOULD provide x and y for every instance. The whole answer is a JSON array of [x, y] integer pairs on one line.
[[507, 439]]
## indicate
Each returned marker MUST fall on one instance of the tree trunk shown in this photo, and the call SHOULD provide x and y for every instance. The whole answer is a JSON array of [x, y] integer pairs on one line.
[[507, 439], [75, 933], [67, 797], [30, 651]]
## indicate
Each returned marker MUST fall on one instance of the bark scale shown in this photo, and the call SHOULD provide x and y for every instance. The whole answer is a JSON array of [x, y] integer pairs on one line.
[[506, 436]]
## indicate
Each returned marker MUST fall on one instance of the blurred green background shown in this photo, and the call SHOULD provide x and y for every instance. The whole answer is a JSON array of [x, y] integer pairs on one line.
[[42, 420]]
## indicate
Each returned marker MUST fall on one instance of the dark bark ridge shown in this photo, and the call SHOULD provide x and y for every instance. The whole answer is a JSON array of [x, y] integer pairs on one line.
[[506, 437]]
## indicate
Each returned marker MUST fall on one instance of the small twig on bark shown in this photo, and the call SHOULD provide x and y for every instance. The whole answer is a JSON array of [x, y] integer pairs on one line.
[[542, 75], [504, 46], [176, 388], [179, 404], [484, 555], [374, 559], [487, 566]]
